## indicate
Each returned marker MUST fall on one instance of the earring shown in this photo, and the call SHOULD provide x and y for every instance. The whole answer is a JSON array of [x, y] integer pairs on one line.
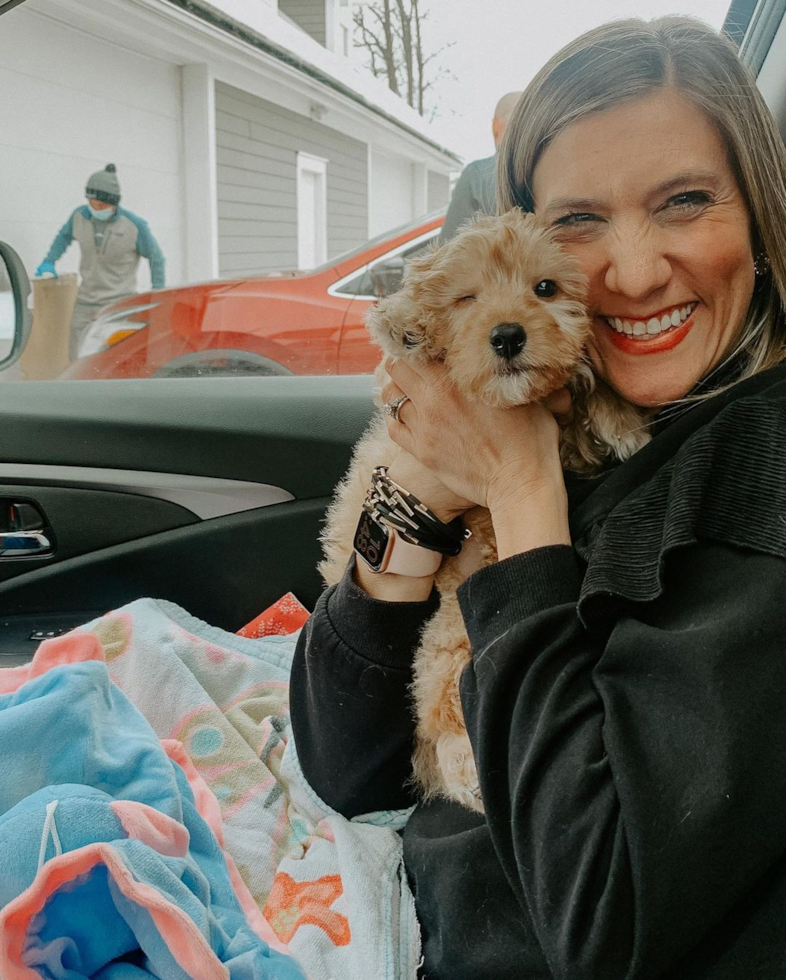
[[761, 265]]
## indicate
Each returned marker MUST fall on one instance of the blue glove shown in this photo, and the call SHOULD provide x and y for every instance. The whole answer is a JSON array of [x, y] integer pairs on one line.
[[46, 269]]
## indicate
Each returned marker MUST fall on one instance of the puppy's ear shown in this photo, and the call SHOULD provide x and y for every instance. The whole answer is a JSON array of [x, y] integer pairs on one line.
[[397, 325]]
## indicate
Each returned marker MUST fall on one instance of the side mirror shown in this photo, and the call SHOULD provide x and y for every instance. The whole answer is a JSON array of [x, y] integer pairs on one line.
[[15, 316]]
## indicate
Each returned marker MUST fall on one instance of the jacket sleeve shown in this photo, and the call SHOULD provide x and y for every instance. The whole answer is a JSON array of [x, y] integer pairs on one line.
[[62, 240], [349, 698], [463, 203], [149, 249], [633, 781]]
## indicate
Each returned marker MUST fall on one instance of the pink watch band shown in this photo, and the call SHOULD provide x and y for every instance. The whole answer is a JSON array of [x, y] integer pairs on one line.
[[403, 558]]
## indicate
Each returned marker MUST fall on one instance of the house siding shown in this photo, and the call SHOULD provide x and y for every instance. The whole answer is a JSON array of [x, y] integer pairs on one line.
[[257, 143], [438, 190], [308, 14]]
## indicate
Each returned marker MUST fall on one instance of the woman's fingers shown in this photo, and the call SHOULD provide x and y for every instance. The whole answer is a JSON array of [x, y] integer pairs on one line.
[[394, 398], [415, 377]]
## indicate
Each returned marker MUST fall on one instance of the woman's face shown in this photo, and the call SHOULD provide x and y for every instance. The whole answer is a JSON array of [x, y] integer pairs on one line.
[[642, 194]]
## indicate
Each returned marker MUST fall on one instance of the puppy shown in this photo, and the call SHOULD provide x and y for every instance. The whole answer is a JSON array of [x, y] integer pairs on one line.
[[503, 307]]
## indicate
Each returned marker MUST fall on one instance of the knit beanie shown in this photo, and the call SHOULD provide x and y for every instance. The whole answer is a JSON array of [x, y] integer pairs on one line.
[[104, 186]]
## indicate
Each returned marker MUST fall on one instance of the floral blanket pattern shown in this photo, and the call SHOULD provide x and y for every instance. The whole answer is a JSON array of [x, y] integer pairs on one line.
[[333, 890]]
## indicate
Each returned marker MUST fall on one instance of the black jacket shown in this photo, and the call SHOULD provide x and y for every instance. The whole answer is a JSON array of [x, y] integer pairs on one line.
[[627, 707]]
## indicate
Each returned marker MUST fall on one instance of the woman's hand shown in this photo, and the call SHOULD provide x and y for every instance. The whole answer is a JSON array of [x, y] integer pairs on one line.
[[506, 459], [413, 476]]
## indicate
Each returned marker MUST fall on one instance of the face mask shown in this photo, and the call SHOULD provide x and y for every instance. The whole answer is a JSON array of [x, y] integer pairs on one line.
[[103, 215]]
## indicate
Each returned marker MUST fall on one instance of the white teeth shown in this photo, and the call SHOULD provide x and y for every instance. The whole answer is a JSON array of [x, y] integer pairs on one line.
[[653, 326]]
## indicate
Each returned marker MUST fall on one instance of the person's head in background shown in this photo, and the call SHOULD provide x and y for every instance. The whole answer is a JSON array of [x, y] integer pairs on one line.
[[103, 193], [502, 114]]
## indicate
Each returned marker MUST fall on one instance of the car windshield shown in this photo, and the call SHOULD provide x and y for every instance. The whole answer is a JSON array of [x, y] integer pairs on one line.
[[299, 153]]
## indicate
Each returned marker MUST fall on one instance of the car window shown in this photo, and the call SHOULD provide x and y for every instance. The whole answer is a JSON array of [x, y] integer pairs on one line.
[[383, 276], [224, 189]]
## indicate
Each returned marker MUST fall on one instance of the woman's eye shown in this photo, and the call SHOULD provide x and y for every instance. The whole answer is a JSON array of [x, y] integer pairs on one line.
[[688, 201], [546, 288], [576, 218]]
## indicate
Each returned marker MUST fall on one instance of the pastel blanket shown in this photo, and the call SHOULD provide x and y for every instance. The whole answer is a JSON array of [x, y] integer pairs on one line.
[[330, 891], [108, 869]]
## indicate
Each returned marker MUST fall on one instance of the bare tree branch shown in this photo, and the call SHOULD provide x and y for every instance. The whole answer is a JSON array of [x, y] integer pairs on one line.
[[405, 24], [391, 32]]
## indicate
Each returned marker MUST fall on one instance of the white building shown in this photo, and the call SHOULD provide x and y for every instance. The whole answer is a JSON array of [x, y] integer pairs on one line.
[[240, 129]]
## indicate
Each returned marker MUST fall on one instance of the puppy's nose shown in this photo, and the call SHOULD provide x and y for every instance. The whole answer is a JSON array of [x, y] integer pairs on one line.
[[508, 339]]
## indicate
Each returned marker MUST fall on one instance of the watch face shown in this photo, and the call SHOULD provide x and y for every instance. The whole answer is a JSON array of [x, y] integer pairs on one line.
[[371, 541]]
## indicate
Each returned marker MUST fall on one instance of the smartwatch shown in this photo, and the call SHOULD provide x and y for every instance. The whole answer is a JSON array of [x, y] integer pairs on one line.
[[384, 550]]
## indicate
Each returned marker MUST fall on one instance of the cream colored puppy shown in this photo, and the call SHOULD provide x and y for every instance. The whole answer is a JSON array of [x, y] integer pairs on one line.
[[503, 307]]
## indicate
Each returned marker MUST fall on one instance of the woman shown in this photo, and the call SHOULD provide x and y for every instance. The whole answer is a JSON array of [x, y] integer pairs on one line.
[[629, 649]]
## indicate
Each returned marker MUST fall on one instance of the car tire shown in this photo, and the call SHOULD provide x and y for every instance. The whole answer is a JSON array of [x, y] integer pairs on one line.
[[221, 364]]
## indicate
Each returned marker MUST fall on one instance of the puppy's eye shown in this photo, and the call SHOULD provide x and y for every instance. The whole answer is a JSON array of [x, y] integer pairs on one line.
[[546, 288], [466, 299]]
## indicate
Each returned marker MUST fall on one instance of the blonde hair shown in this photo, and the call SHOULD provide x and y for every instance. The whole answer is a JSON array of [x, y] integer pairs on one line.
[[629, 59]]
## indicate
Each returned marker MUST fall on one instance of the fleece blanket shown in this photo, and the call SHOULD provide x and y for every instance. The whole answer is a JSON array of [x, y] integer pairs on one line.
[[108, 869], [332, 891]]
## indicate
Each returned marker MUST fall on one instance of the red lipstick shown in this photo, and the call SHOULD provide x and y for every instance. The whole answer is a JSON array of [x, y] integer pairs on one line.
[[666, 340]]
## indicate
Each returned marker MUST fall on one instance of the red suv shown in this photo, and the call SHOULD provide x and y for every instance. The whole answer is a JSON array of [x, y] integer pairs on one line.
[[280, 323]]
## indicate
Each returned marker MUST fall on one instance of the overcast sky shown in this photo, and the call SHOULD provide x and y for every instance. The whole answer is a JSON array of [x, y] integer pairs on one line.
[[500, 44]]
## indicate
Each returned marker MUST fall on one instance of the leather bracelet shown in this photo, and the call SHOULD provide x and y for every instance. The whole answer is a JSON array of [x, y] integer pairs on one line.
[[416, 511], [416, 522]]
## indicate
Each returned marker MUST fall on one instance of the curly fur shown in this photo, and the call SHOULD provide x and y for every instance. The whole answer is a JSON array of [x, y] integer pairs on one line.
[[497, 262]]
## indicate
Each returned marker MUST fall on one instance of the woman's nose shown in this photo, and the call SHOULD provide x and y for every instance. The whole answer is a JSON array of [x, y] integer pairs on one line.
[[637, 266]]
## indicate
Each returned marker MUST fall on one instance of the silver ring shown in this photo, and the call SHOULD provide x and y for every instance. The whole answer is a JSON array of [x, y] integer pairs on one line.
[[393, 408]]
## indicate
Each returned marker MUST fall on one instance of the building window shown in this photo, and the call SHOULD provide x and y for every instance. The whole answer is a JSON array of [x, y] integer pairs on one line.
[[311, 210], [345, 39]]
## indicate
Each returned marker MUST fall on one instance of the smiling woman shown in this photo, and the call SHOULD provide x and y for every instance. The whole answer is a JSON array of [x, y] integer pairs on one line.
[[623, 698], [690, 214], [665, 241]]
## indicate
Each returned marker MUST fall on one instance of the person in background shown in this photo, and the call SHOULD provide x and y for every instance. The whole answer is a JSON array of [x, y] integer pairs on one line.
[[476, 188], [111, 241]]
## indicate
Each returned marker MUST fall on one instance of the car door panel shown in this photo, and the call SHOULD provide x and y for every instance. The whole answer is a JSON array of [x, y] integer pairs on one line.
[[88, 520], [225, 570], [294, 433], [289, 435]]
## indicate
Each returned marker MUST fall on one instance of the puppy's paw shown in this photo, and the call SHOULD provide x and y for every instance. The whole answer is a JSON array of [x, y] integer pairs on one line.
[[396, 325], [458, 770]]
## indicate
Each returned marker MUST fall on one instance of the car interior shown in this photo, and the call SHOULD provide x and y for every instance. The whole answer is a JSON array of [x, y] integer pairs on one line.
[[207, 492]]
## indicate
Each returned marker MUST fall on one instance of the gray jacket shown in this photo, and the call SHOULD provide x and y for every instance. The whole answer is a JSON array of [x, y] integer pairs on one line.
[[476, 190], [109, 271]]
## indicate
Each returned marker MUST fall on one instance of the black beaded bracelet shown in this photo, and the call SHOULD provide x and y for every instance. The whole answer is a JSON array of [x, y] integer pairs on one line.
[[418, 524]]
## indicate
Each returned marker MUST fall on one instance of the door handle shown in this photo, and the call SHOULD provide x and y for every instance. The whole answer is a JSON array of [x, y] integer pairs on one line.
[[18, 544]]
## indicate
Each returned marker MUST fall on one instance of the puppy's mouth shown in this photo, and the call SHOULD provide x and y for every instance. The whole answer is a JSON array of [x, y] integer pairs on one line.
[[513, 368]]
